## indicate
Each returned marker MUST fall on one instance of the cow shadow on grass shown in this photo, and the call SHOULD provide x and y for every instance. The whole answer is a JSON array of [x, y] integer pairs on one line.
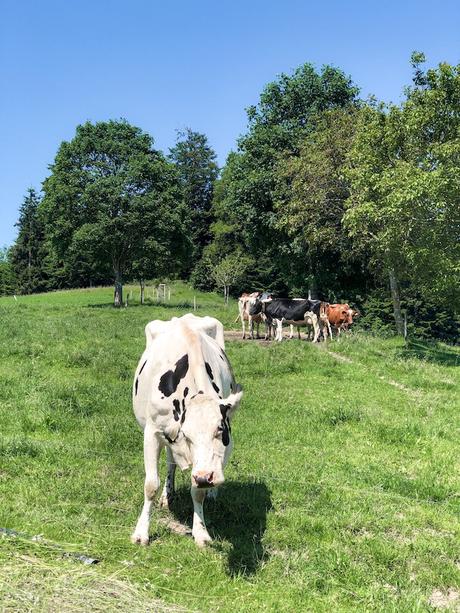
[[238, 516]]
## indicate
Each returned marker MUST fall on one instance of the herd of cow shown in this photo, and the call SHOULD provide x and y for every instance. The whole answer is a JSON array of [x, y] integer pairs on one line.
[[185, 394], [319, 317]]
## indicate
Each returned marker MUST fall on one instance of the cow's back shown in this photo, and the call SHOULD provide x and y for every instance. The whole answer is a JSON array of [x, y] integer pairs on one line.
[[175, 357]]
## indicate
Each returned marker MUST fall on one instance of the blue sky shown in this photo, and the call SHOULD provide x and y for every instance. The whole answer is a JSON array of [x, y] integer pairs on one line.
[[167, 65]]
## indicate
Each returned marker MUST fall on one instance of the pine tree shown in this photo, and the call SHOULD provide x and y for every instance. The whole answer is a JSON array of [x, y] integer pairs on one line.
[[27, 253]]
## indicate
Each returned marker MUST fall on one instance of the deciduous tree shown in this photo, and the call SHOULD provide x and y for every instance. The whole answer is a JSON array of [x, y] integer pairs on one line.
[[108, 192]]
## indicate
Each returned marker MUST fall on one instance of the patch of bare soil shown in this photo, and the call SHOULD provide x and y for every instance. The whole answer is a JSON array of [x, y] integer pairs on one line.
[[449, 599], [236, 335]]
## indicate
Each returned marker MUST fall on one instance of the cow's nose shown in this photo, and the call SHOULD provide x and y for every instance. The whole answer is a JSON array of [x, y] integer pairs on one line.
[[203, 479]]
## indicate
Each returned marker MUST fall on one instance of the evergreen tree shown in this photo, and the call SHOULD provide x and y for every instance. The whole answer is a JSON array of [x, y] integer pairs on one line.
[[197, 168], [28, 251]]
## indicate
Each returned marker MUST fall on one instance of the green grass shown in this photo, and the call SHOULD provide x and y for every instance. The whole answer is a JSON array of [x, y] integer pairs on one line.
[[342, 492]]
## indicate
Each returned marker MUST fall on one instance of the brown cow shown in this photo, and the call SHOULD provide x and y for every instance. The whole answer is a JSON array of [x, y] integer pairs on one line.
[[339, 316]]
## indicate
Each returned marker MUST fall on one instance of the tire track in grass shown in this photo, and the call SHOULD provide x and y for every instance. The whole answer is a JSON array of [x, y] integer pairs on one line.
[[233, 335], [342, 358]]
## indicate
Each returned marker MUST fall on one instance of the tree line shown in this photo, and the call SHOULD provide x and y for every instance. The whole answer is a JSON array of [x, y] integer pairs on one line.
[[325, 194]]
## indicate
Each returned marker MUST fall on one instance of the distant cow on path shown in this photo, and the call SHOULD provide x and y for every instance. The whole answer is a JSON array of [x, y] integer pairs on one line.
[[184, 398], [244, 302], [279, 311]]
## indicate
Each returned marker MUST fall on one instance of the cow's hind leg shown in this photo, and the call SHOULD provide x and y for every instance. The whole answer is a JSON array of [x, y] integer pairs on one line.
[[152, 483], [168, 489], [251, 328], [199, 531]]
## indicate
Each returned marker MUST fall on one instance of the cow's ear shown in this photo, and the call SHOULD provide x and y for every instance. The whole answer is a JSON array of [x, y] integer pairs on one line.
[[232, 402]]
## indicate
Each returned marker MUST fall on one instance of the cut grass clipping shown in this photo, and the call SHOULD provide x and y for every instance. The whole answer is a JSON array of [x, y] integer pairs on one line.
[[342, 492]]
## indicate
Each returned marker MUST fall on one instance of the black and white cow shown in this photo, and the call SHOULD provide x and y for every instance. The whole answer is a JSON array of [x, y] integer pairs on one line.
[[296, 312], [184, 398]]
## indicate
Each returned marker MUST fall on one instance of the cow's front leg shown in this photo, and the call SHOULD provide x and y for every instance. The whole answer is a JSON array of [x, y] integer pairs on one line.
[[315, 329], [279, 330], [251, 328], [244, 327], [168, 489], [152, 450], [199, 531], [291, 332]]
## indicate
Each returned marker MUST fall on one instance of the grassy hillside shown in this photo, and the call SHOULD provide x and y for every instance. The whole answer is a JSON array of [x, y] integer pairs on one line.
[[342, 493]]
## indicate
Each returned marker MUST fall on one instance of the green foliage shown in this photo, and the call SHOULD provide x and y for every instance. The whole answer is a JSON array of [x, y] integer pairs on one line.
[[312, 192], [109, 191], [405, 186], [197, 169], [230, 271], [244, 202], [426, 319], [7, 276], [29, 249]]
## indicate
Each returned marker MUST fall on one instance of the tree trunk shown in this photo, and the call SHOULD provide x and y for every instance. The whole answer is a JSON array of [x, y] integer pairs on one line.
[[394, 289], [118, 290], [142, 284]]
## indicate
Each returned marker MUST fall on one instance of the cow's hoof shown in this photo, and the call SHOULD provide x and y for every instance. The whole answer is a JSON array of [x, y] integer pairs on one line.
[[164, 502], [202, 540], [139, 539]]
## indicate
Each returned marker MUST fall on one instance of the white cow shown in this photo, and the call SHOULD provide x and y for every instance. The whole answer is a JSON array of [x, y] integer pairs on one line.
[[244, 303], [184, 398]]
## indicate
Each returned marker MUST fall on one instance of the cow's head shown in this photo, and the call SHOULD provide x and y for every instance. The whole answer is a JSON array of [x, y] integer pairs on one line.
[[255, 305], [205, 439]]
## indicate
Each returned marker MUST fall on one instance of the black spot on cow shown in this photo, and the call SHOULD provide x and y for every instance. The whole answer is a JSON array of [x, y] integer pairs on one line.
[[136, 385], [225, 424], [209, 370], [183, 416], [171, 378], [142, 367], [222, 357], [215, 387], [185, 392], [225, 434], [167, 438], [223, 409], [176, 410]]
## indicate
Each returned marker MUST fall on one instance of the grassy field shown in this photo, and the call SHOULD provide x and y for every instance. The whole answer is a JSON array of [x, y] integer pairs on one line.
[[342, 493]]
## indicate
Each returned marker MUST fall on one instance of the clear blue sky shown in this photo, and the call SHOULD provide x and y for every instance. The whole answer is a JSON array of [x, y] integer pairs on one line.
[[170, 64]]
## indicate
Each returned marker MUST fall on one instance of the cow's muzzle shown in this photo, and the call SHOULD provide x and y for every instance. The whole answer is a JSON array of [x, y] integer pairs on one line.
[[203, 479]]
